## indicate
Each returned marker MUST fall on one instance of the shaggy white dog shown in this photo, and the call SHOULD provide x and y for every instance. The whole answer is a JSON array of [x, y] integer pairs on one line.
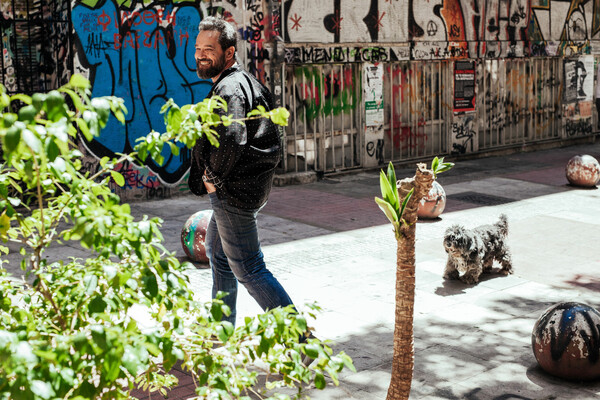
[[473, 251]]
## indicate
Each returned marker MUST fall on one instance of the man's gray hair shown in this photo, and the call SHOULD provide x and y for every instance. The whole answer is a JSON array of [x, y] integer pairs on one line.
[[227, 33]]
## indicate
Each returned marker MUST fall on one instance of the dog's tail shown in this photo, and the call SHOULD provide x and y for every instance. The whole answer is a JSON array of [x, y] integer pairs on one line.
[[503, 224]]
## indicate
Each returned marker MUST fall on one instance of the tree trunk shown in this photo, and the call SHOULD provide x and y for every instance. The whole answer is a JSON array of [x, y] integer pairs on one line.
[[403, 361]]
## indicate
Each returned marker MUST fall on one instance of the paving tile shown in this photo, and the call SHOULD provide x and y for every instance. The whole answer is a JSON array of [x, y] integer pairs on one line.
[[523, 381], [328, 242]]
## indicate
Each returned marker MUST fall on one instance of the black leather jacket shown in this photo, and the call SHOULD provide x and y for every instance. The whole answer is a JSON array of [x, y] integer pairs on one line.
[[243, 165]]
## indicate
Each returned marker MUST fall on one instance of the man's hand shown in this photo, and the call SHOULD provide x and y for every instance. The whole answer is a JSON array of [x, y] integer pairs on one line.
[[210, 188]]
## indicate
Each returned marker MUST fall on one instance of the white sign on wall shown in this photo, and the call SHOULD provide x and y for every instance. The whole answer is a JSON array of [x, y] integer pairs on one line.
[[373, 95], [373, 91]]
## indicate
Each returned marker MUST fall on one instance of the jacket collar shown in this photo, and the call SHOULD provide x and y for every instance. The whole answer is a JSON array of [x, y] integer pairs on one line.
[[235, 67]]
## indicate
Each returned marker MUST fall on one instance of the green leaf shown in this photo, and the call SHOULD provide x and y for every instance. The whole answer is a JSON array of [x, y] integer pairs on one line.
[[312, 350], [348, 362], [225, 330], [152, 348], [435, 163], [21, 97], [4, 100], [75, 98], [99, 336], [27, 113], [387, 209], [445, 167], [37, 100], [438, 166], [112, 367], [42, 389], [91, 283], [78, 81], [391, 175], [97, 305], [12, 138], [32, 141], [24, 353], [319, 381], [131, 360], [174, 148], [151, 285], [119, 179], [68, 376], [85, 130], [47, 355], [280, 116], [8, 119], [54, 105], [102, 108], [175, 118], [216, 311], [52, 150], [387, 192]]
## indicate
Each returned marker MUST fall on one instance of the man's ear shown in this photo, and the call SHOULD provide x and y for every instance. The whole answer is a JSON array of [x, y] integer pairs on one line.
[[230, 53]]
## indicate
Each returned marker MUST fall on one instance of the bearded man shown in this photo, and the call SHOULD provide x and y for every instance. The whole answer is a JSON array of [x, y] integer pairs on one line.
[[238, 174]]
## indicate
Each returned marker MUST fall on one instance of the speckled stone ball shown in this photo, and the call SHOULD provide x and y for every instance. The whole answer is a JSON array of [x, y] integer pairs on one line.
[[566, 341], [583, 170], [193, 236], [432, 205]]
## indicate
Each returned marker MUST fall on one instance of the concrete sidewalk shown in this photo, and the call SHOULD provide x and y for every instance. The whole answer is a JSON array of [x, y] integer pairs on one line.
[[328, 242]]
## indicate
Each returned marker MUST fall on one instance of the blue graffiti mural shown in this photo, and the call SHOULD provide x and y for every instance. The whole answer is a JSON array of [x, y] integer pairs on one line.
[[144, 55]]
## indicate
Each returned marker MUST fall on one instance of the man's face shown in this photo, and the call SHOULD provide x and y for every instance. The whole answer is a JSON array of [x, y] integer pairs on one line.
[[210, 58]]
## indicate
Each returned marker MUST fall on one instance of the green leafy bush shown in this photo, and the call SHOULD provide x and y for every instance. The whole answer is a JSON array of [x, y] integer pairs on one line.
[[99, 327]]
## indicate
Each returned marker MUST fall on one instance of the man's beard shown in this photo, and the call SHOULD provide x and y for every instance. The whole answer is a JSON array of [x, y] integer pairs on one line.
[[211, 70]]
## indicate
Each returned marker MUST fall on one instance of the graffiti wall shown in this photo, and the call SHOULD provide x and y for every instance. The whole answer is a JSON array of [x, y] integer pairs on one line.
[[145, 55], [531, 71], [447, 28], [143, 52], [323, 98]]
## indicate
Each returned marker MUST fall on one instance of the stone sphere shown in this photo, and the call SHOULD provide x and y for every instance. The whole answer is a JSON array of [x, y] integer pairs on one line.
[[566, 341], [193, 235], [432, 205], [583, 170]]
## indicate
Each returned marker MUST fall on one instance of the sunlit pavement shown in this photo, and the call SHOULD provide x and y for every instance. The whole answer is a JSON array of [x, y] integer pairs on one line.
[[328, 242]]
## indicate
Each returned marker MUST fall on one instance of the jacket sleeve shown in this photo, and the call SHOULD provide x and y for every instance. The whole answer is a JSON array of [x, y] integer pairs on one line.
[[195, 182], [232, 139]]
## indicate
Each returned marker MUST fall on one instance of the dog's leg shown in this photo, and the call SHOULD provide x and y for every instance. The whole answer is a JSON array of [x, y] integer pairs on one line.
[[450, 272], [506, 262], [473, 273], [488, 263], [470, 277]]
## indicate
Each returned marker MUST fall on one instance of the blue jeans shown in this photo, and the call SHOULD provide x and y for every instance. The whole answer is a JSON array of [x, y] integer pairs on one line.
[[233, 248]]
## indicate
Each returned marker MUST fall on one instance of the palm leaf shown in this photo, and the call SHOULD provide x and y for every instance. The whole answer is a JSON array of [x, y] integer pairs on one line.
[[391, 175], [387, 192], [388, 210]]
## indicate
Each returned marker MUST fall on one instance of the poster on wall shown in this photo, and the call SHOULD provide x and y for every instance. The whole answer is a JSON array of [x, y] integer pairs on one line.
[[464, 86], [373, 89], [579, 78]]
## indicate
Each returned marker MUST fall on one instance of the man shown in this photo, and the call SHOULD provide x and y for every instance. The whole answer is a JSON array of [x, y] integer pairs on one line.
[[238, 174]]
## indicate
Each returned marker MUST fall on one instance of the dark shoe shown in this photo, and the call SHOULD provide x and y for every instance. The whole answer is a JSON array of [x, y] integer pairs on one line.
[[307, 360]]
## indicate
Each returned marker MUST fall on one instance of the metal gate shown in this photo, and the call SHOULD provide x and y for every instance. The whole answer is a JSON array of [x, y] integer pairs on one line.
[[417, 112], [36, 50], [324, 131], [519, 101]]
